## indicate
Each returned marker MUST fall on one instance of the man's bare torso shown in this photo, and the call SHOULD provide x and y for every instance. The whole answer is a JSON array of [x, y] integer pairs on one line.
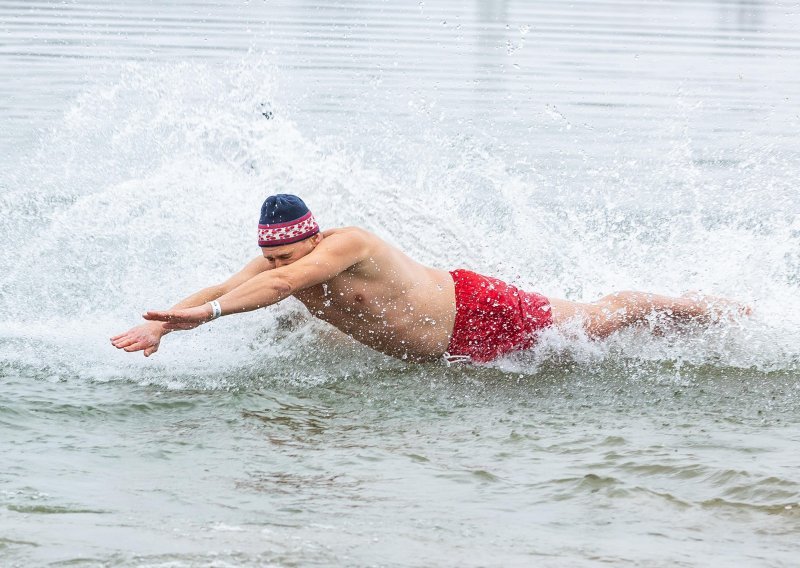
[[388, 301]]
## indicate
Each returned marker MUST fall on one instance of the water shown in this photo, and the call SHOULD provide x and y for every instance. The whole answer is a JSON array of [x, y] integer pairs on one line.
[[573, 149]]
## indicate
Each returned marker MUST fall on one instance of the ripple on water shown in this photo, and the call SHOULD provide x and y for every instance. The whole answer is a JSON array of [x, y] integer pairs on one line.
[[543, 121], [53, 509]]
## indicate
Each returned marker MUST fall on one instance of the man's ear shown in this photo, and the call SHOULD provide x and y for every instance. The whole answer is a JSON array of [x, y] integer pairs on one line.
[[316, 239]]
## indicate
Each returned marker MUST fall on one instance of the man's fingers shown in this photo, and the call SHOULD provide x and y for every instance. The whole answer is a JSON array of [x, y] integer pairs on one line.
[[135, 347], [125, 342], [119, 338]]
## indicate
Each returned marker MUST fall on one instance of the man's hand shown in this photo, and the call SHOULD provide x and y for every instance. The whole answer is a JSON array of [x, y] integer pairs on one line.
[[187, 318], [146, 336]]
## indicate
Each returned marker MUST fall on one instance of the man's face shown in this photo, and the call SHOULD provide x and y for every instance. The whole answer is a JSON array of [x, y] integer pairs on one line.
[[287, 254]]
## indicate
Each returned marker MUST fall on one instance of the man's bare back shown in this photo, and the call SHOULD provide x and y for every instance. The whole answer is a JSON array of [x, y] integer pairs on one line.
[[376, 294]]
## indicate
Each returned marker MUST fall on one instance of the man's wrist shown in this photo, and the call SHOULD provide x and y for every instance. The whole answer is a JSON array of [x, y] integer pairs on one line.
[[216, 309], [158, 327]]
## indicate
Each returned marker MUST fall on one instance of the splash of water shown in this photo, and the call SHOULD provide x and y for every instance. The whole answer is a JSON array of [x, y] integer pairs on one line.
[[150, 185]]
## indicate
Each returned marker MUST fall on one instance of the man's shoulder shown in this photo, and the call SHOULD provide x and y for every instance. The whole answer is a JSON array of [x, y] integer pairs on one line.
[[349, 232], [353, 242], [351, 237]]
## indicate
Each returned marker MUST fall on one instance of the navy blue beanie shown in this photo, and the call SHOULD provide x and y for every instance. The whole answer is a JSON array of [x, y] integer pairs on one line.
[[285, 219]]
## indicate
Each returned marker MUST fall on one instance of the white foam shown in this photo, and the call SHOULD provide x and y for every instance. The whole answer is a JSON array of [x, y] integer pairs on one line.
[[150, 186]]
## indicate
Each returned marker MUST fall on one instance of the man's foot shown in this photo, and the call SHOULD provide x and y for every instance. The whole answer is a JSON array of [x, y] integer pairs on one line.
[[719, 307]]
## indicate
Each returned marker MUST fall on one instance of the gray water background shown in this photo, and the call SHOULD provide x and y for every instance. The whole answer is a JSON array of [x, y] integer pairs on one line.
[[571, 148]]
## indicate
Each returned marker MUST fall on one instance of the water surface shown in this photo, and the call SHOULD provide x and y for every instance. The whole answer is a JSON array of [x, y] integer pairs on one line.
[[573, 149]]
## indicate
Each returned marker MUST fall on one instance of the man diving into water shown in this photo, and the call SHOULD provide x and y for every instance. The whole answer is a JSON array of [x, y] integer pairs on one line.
[[376, 294]]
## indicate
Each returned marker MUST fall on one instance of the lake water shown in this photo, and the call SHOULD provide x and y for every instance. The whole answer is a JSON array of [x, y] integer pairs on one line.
[[571, 148]]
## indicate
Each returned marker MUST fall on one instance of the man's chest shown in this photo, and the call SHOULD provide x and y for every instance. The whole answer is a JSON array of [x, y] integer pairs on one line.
[[341, 295]]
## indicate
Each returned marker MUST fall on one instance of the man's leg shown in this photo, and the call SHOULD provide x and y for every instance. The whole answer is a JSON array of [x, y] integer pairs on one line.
[[623, 309]]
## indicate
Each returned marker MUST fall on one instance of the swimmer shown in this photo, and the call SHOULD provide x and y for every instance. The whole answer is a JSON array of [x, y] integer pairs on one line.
[[376, 294]]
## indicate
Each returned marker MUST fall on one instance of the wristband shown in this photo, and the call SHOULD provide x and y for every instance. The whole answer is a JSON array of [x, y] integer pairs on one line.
[[216, 309]]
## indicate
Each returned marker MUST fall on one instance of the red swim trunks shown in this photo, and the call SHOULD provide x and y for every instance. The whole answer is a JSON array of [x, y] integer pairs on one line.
[[493, 318]]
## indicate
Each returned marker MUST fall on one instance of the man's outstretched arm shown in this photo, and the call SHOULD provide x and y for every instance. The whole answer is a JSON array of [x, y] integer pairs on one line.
[[147, 337], [333, 255]]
